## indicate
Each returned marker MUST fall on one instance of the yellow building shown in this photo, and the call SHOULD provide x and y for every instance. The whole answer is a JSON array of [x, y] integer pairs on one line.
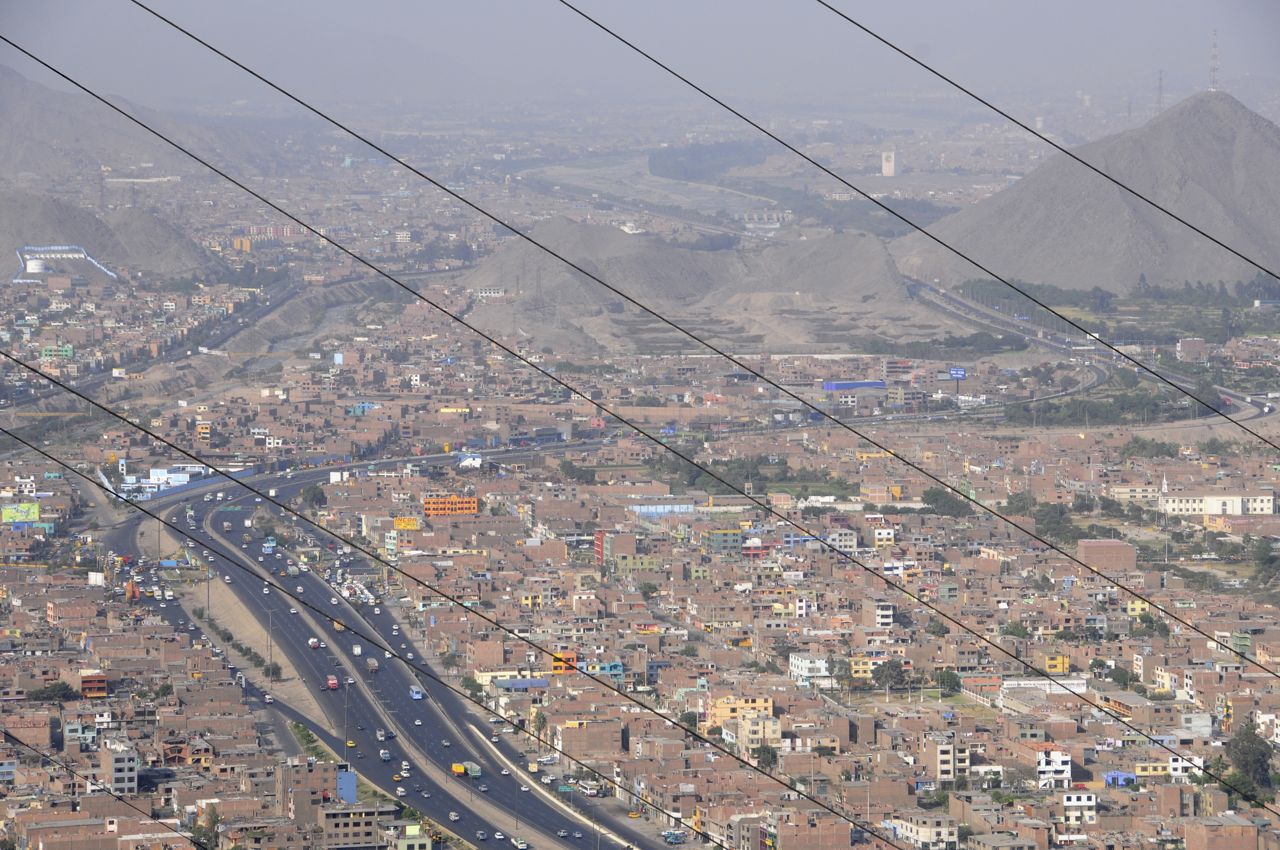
[[736, 707], [1055, 664], [1136, 607]]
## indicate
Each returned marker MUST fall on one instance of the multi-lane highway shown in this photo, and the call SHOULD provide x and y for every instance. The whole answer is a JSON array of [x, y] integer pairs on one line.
[[430, 734]]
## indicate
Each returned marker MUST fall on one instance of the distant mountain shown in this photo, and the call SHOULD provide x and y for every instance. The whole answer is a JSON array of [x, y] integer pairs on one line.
[[128, 238], [806, 294], [48, 136], [1208, 158]]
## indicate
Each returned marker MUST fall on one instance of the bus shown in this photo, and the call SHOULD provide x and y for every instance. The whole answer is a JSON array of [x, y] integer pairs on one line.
[[415, 692]]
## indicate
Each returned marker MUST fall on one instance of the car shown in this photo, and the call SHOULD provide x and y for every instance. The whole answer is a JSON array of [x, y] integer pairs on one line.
[[293, 610], [350, 681], [481, 835], [259, 559], [359, 754], [403, 646], [282, 574], [564, 833], [258, 499], [577, 834], [298, 589], [417, 721], [426, 795], [495, 739], [377, 610], [386, 653], [191, 627], [359, 727], [445, 743], [162, 605], [396, 777], [266, 590], [324, 645], [351, 745], [227, 579], [400, 792], [333, 600], [499, 836], [409, 655], [524, 787], [505, 772], [483, 788]]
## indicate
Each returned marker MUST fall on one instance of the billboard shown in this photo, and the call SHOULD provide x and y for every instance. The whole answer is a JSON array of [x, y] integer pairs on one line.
[[959, 373], [21, 512], [405, 523]]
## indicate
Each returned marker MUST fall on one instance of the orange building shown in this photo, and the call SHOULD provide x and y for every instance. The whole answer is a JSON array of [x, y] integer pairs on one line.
[[93, 684], [448, 504]]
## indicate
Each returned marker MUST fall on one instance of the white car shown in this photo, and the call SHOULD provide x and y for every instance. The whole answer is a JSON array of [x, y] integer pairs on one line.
[[417, 721], [293, 610], [377, 610], [299, 589], [266, 590], [524, 787], [333, 600], [505, 772]]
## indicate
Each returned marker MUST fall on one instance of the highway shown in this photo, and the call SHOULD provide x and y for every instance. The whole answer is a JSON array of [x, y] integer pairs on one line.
[[382, 699]]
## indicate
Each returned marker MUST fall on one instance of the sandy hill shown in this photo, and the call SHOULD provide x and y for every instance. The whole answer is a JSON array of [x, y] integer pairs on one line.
[[47, 135], [800, 294], [129, 238], [1208, 158]]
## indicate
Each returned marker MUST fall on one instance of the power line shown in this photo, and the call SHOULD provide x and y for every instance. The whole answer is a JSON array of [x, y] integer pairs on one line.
[[373, 555], [909, 222], [376, 640], [146, 814], [1120, 184], [642, 432], [702, 341]]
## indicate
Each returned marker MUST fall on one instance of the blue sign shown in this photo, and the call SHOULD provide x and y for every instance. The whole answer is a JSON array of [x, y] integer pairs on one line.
[[432, 620], [959, 373]]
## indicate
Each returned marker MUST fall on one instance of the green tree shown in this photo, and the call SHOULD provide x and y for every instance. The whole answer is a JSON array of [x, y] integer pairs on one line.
[[937, 628], [451, 661], [165, 690], [54, 692], [272, 671], [647, 590], [766, 757], [946, 503], [1120, 676], [688, 719], [949, 681], [1250, 754], [1017, 630], [471, 686], [890, 674], [313, 496]]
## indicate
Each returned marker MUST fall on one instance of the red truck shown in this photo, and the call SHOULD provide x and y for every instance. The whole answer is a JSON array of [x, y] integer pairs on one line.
[[331, 683]]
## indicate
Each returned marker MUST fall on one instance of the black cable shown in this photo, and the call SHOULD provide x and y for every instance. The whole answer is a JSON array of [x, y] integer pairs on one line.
[[910, 223], [89, 783], [376, 641], [356, 545], [551, 376], [700, 340], [1048, 141]]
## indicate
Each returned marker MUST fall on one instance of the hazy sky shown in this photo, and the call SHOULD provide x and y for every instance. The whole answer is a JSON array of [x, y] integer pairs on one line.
[[765, 51]]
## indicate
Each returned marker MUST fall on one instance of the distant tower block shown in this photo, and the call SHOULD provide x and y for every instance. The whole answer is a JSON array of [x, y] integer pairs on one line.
[[1213, 63], [1039, 122], [888, 164]]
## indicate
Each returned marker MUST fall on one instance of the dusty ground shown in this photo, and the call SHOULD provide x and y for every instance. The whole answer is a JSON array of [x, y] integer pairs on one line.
[[232, 615]]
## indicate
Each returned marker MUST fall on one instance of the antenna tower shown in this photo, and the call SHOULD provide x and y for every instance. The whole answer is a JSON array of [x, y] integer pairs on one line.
[[1160, 91], [1213, 64]]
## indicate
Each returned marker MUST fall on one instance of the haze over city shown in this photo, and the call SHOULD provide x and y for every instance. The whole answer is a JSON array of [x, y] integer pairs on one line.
[[582, 424]]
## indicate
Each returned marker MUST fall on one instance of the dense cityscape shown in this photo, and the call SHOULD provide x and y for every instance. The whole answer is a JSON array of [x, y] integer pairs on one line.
[[626, 483]]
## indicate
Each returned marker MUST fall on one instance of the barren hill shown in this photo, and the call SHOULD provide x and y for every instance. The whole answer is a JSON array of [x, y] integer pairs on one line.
[[129, 238], [814, 293], [1208, 158]]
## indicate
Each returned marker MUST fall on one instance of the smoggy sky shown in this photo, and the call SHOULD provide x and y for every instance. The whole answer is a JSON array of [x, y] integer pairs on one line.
[[425, 54]]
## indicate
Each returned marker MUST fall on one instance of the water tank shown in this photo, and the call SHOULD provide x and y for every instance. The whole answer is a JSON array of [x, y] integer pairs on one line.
[[36, 266]]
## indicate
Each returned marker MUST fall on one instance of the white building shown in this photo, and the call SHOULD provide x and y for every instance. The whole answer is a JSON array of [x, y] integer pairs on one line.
[[1053, 768], [118, 768], [810, 671], [1216, 504], [925, 831]]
